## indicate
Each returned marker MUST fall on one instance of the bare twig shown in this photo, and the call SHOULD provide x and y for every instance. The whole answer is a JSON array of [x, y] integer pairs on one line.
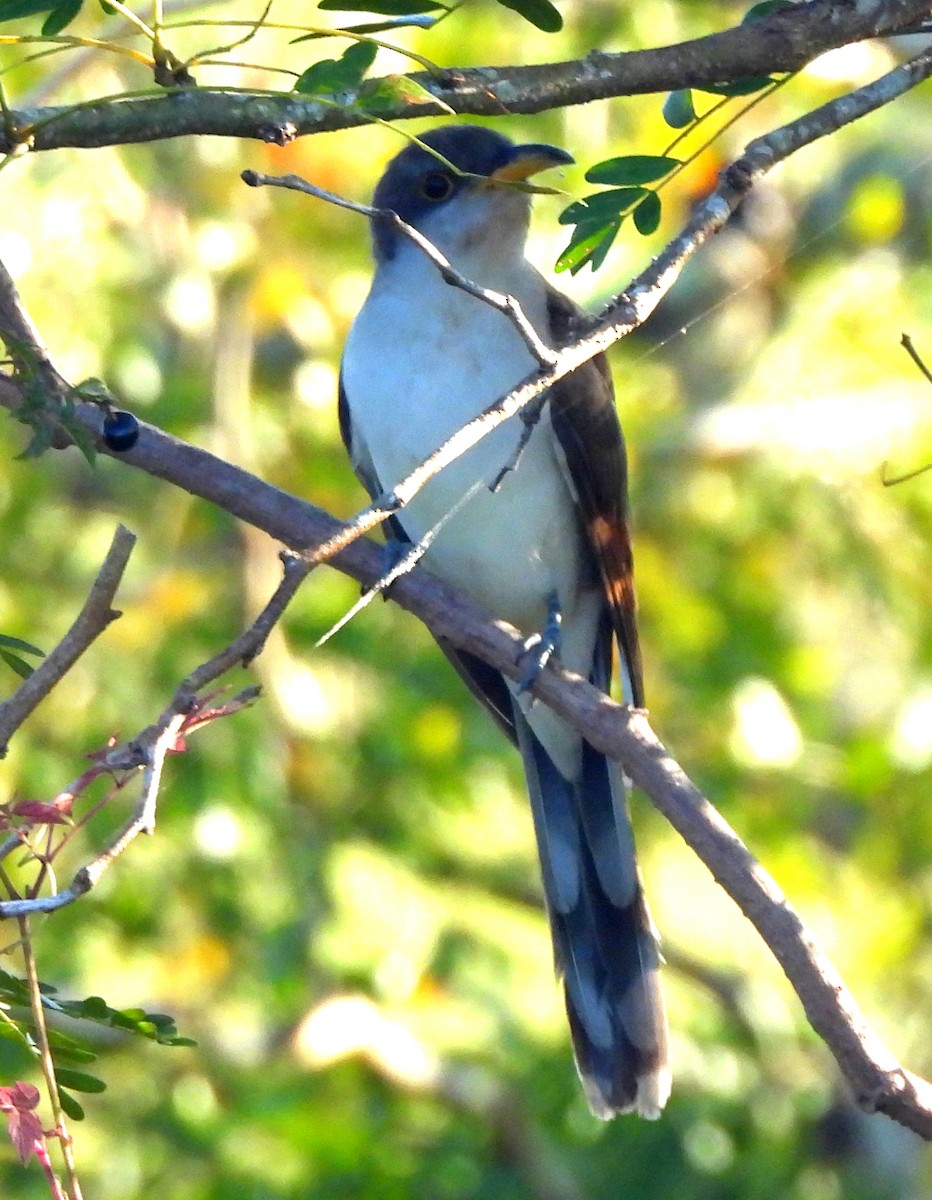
[[148, 749], [892, 480], [249, 645], [93, 619], [507, 305], [907, 343]]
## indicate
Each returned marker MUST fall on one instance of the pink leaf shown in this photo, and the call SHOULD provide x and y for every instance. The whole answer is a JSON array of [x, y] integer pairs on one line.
[[38, 812], [23, 1124]]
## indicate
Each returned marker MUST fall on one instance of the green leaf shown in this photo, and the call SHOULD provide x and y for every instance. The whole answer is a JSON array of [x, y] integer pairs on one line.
[[70, 1107], [391, 8], [539, 12], [338, 74], [11, 1031], [601, 206], [678, 108], [392, 23], [12, 10], [13, 643], [159, 1027], [632, 169], [65, 1047], [79, 1081], [647, 214], [764, 9], [739, 87], [95, 391], [13, 989], [589, 244], [17, 664], [61, 17], [387, 93]]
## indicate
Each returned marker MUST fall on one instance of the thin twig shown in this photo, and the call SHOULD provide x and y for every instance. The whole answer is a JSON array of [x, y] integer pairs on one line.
[[149, 748], [892, 480], [907, 343], [250, 643], [505, 304], [93, 619], [45, 1058]]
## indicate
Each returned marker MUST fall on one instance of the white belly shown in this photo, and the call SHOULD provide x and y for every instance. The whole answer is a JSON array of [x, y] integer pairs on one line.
[[511, 549]]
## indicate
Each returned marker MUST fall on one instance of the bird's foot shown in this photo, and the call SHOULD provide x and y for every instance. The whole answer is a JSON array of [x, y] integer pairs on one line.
[[393, 554], [539, 648]]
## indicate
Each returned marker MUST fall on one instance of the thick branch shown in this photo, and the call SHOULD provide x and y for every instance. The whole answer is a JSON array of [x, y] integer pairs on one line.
[[785, 41]]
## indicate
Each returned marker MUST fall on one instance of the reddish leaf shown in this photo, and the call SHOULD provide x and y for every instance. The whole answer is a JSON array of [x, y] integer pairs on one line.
[[39, 813], [23, 1124], [20, 1095]]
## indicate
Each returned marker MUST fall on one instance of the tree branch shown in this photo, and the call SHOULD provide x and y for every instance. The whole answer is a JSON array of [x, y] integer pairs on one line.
[[784, 41], [148, 749], [90, 623], [508, 306]]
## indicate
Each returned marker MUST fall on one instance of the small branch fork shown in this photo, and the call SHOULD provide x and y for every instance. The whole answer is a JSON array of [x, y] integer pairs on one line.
[[187, 711], [877, 1079], [892, 480]]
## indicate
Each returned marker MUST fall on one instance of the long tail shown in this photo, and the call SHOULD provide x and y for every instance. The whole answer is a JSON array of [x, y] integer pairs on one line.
[[605, 944]]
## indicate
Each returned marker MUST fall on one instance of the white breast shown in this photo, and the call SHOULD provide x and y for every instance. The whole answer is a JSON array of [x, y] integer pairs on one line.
[[421, 360]]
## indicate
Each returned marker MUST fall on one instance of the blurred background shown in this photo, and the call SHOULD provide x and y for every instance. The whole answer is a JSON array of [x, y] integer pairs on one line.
[[341, 902]]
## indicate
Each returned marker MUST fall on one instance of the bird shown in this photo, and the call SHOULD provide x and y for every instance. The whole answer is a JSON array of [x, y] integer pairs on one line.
[[538, 539]]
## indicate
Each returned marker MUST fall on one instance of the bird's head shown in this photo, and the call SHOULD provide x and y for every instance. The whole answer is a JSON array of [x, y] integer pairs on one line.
[[473, 208]]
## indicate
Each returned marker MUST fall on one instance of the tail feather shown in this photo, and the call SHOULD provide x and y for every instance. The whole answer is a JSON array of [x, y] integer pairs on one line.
[[555, 821], [605, 945]]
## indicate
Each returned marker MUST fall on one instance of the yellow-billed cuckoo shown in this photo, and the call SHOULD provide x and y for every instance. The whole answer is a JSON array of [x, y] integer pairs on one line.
[[422, 359]]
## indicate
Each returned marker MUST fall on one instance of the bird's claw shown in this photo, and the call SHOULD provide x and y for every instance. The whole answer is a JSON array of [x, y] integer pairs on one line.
[[539, 648]]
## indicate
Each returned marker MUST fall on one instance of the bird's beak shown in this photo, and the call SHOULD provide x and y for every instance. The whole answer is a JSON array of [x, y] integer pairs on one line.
[[525, 161]]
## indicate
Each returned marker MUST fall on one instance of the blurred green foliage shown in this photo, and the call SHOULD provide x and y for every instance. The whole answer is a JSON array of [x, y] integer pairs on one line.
[[341, 901]]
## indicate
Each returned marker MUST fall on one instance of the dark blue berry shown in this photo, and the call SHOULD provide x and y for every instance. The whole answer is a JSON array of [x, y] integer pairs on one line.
[[121, 429]]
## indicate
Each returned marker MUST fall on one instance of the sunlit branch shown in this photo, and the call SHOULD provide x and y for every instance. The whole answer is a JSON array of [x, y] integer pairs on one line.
[[876, 1078], [507, 305], [785, 41]]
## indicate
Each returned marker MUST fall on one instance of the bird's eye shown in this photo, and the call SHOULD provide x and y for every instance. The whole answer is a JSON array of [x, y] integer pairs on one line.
[[436, 186]]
